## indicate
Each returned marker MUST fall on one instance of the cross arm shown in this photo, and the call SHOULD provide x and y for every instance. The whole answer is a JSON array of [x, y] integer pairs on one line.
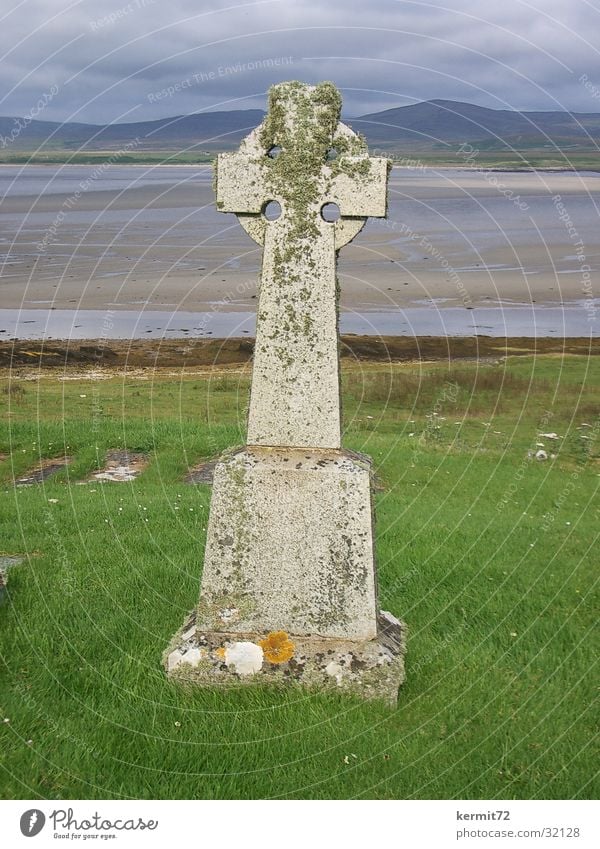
[[360, 190], [239, 184]]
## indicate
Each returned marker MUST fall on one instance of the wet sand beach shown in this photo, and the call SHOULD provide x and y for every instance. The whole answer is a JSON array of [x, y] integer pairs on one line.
[[141, 238]]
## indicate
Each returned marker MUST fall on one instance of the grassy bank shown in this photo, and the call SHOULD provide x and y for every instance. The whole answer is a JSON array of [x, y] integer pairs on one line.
[[486, 553], [98, 157], [502, 160]]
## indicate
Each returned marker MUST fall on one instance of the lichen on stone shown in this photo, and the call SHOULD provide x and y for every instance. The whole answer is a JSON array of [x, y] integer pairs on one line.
[[277, 646]]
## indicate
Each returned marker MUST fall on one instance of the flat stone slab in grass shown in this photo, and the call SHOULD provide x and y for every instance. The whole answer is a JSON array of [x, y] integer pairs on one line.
[[203, 472], [121, 466], [43, 470]]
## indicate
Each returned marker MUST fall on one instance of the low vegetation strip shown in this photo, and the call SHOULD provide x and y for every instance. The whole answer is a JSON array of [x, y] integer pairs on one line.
[[198, 352]]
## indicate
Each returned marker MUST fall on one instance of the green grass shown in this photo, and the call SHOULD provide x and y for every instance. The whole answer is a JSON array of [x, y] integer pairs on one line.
[[488, 556], [581, 158], [59, 156]]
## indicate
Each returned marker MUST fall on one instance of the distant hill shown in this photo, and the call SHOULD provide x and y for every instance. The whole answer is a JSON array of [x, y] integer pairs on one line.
[[204, 130], [439, 123], [432, 125]]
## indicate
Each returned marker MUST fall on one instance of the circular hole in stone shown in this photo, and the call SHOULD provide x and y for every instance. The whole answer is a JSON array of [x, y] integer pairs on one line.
[[331, 154], [272, 210], [330, 212], [274, 152]]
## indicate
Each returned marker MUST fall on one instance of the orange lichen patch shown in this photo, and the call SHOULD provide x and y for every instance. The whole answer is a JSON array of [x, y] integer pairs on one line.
[[220, 653], [277, 647]]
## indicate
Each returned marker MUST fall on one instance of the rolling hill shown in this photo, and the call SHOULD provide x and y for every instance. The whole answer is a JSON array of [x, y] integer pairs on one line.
[[434, 125]]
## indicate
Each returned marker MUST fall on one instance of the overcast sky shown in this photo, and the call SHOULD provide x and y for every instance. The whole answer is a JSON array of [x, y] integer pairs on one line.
[[142, 59]]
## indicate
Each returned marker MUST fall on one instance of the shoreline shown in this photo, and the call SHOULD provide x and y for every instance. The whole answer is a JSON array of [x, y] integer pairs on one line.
[[139, 353], [424, 166]]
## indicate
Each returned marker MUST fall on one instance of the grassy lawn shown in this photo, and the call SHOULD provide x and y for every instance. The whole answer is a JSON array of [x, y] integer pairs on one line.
[[486, 554]]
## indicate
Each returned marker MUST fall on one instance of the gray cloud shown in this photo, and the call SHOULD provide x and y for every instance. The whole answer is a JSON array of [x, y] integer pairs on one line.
[[113, 60]]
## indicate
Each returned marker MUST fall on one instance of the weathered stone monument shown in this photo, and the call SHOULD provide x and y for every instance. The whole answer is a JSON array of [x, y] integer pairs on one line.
[[289, 590]]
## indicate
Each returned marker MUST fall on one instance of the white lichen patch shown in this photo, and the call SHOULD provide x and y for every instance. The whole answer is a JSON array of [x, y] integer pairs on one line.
[[174, 660], [194, 656], [334, 670], [246, 658]]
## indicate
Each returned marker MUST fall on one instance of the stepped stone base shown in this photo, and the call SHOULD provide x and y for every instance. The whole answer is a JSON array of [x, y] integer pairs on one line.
[[370, 669]]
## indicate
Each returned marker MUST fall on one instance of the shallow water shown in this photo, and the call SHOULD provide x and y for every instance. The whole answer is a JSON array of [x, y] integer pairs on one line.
[[147, 235], [571, 320]]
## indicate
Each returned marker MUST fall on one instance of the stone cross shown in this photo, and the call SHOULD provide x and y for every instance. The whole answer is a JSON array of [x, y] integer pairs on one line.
[[289, 588], [303, 159]]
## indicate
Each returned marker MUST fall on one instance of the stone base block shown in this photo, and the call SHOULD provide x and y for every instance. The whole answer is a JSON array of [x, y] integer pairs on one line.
[[371, 669]]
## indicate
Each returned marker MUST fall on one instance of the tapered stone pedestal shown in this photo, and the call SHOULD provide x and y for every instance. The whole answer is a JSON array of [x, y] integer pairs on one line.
[[302, 520]]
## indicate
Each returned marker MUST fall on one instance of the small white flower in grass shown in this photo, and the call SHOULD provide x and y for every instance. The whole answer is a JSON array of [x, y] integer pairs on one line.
[[53, 501], [513, 633], [178, 725], [30, 742], [83, 396]]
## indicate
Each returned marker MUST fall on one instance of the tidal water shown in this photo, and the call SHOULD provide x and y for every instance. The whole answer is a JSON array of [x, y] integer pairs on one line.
[[505, 238], [570, 320]]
